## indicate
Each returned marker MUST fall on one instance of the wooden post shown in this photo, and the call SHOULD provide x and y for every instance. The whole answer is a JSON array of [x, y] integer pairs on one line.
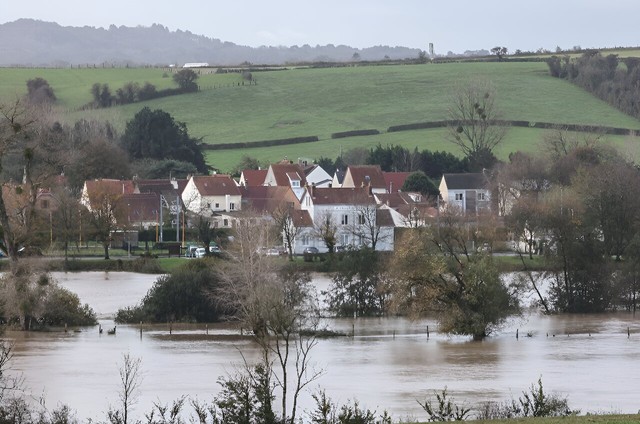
[[517, 330], [141, 329], [427, 332], [628, 333], [207, 328]]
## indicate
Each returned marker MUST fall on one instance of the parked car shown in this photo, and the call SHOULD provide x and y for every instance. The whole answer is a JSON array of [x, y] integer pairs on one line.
[[309, 253], [200, 252]]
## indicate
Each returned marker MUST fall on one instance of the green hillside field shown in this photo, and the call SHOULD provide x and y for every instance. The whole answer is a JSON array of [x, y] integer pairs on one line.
[[299, 102]]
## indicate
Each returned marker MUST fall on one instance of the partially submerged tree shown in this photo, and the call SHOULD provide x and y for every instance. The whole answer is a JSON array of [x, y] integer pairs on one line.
[[437, 271], [280, 309]]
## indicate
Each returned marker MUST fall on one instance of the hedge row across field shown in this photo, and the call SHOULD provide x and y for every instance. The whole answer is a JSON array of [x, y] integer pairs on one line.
[[421, 126]]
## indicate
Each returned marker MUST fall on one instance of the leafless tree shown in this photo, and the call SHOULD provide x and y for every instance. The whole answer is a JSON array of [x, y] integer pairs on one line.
[[285, 223], [130, 381], [326, 229], [474, 115], [279, 308], [366, 226]]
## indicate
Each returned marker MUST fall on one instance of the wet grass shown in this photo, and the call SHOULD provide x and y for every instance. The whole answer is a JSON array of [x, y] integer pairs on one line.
[[582, 419]]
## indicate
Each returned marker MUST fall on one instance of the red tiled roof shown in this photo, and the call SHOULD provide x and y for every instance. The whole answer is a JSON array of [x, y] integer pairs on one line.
[[105, 186], [139, 207], [268, 199], [301, 218], [394, 180], [216, 185], [254, 177], [364, 174], [280, 171]]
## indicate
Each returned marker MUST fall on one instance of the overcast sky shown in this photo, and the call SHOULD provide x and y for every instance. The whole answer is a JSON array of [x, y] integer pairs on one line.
[[452, 25]]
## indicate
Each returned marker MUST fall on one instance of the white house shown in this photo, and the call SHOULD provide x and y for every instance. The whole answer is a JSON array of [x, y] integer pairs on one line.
[[468, 192], [211, 194], [351, 213]]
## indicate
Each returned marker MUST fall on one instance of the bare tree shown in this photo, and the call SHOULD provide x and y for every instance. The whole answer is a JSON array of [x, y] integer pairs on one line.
[[285, 223], [326, 229], [279, 308], [130, 381], [474, 126], [367, 227], [103, 216]]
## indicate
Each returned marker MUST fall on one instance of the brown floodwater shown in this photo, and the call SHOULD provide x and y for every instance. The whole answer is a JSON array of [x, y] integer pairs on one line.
[[388, 363]]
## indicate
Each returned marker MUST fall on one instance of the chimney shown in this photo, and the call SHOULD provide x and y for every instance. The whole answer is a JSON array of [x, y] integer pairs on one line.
[[313, 190]]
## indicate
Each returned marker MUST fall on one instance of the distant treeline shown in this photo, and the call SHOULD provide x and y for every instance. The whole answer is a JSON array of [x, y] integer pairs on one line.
[[604, 77], [131, 92]]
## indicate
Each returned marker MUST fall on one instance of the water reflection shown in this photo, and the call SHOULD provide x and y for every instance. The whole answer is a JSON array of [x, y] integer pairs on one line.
[[387, 364]]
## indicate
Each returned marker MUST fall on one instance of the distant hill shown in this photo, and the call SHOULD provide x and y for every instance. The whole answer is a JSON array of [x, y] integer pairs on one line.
[[28, 42]]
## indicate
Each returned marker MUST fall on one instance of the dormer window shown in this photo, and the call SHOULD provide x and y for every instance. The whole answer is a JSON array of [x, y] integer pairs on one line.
[[295, 183]]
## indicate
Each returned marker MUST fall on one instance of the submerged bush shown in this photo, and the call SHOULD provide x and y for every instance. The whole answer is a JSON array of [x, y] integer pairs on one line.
[[185, 295]]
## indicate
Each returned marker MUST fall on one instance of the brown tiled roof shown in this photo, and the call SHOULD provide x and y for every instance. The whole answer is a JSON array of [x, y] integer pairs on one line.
[[104, 186], [254, 177], [339, 196], [362, 175], [384, 218], [216, 185], [139, 207], [301, 218], [394, 180], [280, 171], [268, 199]]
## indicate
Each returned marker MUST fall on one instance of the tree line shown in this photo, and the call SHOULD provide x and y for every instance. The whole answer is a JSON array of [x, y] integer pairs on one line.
[[610, 78], [133, 92]]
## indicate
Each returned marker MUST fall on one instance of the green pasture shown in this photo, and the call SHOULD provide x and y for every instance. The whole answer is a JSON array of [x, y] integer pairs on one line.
[[318, 102], [517, 139]]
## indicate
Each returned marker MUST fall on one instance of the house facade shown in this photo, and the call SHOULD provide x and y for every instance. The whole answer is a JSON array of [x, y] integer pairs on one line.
[[350, 214], [211, 194], [469, 193]]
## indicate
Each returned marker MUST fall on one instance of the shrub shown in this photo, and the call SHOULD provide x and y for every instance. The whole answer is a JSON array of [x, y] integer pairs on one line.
[[445, 410], [185, 295], [534, 403]]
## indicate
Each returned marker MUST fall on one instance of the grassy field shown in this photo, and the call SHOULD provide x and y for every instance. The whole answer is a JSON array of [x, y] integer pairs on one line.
[[523, 139], [583, 419], [318, 102]]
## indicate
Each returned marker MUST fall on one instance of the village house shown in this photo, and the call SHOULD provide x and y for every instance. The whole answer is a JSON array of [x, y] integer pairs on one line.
[[352, 214], [365, 176], [469, 193], [286, 174], [216, 197]]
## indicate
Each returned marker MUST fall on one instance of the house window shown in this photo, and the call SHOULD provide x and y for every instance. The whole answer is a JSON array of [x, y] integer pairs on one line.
[[305, 240], [345, 219], [344, 239], [481, 195], [232, 206], [217, 205], [295, 183], [225, 222], [44, 204], [459, 196], [361, 219]]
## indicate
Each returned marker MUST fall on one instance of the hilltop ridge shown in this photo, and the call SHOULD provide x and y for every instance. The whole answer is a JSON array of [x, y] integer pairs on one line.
[[29, 42]]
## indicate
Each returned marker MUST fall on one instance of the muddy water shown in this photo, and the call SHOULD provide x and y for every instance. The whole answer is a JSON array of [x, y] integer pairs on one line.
[[387, 364]]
